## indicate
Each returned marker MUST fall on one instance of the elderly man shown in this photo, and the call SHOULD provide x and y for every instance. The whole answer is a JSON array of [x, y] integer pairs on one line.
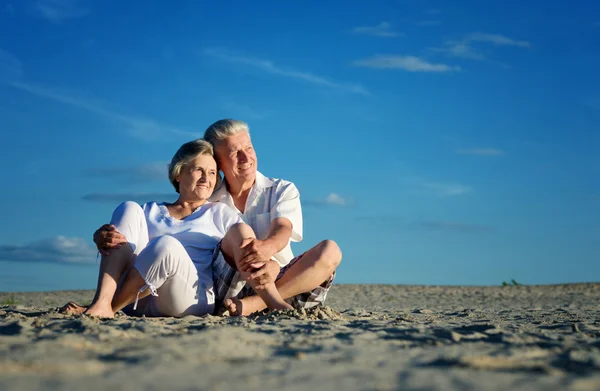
[[272, 208]]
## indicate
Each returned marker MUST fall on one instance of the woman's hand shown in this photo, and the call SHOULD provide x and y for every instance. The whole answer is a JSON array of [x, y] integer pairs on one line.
[[107, 237]]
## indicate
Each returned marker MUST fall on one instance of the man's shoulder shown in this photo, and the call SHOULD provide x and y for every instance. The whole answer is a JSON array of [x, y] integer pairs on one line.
[[274, 182], [219, 193]]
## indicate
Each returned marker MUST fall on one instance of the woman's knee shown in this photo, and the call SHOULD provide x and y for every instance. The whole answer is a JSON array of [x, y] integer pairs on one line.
[[163, 255], [129, 207], [126, 213], [165, 245]]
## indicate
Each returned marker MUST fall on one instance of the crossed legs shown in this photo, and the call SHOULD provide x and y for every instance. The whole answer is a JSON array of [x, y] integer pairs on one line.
[[236, 238], [314, 268]]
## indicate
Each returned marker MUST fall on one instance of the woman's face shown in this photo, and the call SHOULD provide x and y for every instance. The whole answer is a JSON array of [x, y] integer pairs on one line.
[[198, 178]]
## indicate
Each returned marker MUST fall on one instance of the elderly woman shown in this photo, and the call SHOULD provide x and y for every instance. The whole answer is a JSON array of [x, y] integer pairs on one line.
[[165, 267]]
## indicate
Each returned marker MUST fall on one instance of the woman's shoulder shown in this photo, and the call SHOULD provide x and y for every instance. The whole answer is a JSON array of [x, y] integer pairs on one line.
[[152, 204]]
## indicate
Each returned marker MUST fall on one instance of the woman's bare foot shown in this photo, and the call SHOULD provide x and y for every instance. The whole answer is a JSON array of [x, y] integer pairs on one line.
[[72, 308], [251, 304], [100, 311]]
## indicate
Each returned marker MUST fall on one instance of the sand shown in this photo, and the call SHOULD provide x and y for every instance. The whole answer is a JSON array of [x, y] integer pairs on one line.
[[368, 337]]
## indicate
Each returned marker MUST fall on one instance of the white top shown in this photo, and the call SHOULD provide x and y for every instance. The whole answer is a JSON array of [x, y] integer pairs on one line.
[[199, 233], [269, 199]]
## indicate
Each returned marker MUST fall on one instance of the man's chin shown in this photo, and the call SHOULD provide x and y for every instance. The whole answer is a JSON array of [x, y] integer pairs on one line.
[[246, 175]]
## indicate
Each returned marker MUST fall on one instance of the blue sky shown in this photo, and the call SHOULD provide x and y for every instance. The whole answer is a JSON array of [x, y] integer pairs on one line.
[[436, 143]]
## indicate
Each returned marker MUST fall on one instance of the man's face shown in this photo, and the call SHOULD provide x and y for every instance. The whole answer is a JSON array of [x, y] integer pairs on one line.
[[237, 158]]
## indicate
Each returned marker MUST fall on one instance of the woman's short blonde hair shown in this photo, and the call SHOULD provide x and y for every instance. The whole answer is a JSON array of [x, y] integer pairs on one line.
[[185, 154], [224, 128]]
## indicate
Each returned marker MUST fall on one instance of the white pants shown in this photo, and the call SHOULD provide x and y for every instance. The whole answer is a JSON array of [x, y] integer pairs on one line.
[[166, 268]]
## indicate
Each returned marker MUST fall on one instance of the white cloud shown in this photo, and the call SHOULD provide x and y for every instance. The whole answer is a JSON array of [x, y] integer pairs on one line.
[[481, 152], [464, 47], [448, 189], [140, 198], [415, 183], [145, 172], [60, 249], [139, 127], [335, 199], [11, 68], [460, 49], [383, 29], [270, 67], [497, 39], [407, 63], [57, 11]]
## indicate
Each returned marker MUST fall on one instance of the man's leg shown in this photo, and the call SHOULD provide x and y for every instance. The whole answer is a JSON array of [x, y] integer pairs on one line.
[[231, 246], [311, 270]]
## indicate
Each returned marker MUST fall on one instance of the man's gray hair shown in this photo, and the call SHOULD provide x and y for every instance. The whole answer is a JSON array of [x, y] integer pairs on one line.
[[184, 155], [224, 128]]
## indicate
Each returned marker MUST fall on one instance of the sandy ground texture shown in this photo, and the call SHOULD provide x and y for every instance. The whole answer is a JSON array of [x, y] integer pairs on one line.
[[368, 337]]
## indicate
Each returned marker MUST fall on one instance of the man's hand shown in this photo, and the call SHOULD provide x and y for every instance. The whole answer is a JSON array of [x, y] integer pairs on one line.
[[255, 253], [265, 275], [107, 237]]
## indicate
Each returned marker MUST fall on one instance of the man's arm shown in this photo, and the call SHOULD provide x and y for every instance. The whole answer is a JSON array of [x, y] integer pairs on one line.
[[279, 235], [258, 252]]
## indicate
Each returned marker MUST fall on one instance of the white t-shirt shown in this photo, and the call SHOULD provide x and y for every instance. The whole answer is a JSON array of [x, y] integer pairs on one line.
[[199, 233], [269, 199]]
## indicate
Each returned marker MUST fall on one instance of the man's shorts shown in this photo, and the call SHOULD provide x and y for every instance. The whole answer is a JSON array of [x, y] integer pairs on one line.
[[229, 284]]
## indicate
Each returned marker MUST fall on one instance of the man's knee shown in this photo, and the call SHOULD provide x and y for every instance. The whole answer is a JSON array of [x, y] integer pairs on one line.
[[240, 229], [235, 236], [330, 253]]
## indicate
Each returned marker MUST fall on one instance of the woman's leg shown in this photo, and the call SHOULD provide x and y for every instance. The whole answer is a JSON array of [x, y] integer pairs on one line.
[[130, 220], [165, 270], [231, 246]]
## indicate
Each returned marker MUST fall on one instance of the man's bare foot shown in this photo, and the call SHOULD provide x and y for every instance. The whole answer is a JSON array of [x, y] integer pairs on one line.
[[72, 308], [249, 305], [100, 311], [233, 306]]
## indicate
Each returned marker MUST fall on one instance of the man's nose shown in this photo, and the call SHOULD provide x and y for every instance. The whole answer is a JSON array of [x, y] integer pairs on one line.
[[242, 156]]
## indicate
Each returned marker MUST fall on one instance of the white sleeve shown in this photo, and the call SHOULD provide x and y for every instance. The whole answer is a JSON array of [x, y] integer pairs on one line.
[[287, 204]]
